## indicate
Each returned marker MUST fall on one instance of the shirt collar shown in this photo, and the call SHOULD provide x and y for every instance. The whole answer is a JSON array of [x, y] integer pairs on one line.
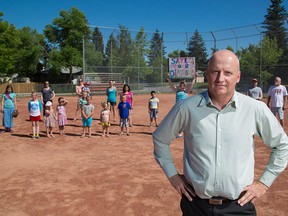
[[206, 100]]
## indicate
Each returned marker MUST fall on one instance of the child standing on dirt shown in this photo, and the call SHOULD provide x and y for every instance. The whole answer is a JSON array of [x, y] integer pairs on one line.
[[83, 99], [153, 107], [87, 112], [35, 109], [61, 114], [50, 119], [105, 119], [124, 108]]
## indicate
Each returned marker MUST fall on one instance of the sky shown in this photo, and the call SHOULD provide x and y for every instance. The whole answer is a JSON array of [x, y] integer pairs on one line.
[[177, 19]]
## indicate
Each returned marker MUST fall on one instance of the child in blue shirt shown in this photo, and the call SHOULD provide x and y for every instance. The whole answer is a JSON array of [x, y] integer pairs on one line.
[[124, 109]]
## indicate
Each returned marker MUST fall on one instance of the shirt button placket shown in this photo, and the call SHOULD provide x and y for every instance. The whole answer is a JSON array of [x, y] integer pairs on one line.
[[218, 153]]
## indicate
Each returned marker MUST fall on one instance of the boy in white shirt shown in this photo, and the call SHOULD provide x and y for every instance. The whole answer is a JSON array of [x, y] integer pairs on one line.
[[153, 107]]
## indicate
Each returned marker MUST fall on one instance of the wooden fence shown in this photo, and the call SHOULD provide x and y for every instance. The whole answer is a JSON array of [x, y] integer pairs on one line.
[[19, 87]]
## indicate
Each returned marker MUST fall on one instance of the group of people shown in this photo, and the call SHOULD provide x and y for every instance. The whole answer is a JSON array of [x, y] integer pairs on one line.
[[42, 109], [219, 126]]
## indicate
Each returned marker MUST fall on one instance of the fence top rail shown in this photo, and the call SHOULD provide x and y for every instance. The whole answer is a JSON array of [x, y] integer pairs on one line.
[[103, 73]]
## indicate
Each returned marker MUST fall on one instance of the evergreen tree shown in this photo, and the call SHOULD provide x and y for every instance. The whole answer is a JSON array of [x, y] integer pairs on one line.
[[197, 48], [98, 53], [111, 50], [275, 25], [157, 49], [140, 52], [97, 39], [125, 43], [156, 56]]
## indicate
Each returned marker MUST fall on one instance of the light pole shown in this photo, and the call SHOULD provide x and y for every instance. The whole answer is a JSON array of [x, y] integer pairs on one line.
[[260, 60]]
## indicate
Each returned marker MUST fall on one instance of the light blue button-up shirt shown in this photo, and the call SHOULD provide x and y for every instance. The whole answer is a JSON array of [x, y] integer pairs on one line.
[[218, 144]]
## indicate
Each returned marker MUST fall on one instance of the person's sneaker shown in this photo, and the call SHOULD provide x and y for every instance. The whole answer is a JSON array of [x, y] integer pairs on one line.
[[33, 137], [37, 137]]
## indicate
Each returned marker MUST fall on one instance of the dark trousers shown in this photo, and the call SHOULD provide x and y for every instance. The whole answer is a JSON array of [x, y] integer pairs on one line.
[[201, 207]]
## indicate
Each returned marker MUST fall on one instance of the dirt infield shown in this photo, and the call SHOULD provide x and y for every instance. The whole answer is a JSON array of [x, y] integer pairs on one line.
[[67, 175]]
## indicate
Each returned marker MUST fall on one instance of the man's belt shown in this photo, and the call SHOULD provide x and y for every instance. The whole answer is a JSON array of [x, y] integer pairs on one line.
[[220, 200]]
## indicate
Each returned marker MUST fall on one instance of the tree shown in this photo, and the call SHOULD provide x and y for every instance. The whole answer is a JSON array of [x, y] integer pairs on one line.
[[111, 51], [274, 24], [230, 48], [93, 59], [9, 41], [65, 35], [97, 39], [125, 43], [30, 50], [139, 54], [98, 42], [177, 53], [250, 61], [174, 54], [156, 56], [197, 48]]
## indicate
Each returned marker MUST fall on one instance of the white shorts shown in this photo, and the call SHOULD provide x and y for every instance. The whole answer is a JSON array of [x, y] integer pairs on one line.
[[279, 111]]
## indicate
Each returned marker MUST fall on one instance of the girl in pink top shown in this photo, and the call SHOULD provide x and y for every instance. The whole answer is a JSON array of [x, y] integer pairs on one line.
[[62, 117], [129, 99]]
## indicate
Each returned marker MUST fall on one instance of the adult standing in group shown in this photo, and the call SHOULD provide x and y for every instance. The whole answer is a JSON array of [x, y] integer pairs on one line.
[[219, 127], [112, 97], [255, 91], [8, 105], [181, 93], [129, 98], [277, 98], [47, 94], [78, 91]]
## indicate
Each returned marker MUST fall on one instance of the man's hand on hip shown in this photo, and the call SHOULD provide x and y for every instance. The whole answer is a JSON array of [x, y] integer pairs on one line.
[[253, 191], [182, 186]]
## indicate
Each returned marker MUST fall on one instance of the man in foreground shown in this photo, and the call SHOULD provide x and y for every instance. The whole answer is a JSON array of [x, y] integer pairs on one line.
[[219, 126]]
